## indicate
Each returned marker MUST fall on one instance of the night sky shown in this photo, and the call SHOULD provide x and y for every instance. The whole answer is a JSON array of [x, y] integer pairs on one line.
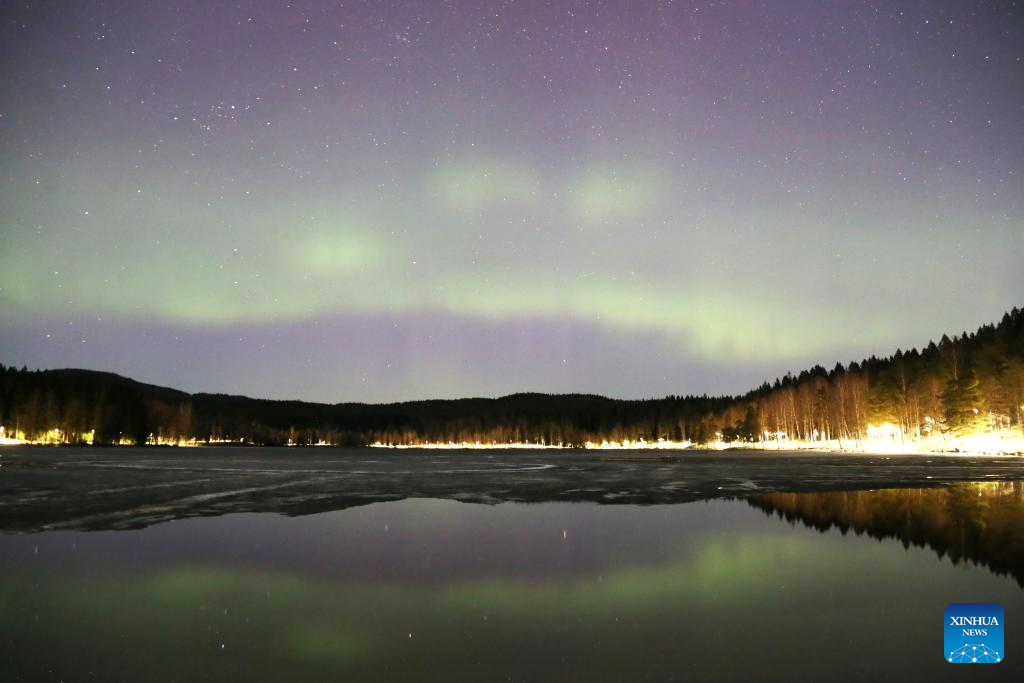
[[391, 200]]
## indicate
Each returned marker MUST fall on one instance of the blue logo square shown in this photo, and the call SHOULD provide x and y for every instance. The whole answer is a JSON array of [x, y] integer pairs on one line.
[[973, 633]]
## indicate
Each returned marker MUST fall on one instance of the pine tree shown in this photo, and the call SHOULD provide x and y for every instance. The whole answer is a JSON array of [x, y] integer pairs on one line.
[[750, 428], [962, 403]]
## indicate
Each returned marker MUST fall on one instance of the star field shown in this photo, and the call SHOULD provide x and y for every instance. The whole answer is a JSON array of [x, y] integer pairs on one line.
[[391, 200]]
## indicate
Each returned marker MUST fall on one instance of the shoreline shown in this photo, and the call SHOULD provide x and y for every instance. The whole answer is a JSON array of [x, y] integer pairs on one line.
[[649, 453]]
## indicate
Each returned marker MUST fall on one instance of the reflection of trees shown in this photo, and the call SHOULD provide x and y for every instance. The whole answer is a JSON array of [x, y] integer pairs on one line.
[[980, 522]]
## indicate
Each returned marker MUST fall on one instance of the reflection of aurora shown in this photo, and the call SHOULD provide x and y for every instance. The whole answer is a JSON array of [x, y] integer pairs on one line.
[[685, 584], [291, 620], [977, 522]]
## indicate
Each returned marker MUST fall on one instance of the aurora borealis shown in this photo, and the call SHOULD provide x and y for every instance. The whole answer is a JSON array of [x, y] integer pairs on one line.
[[395, 200]]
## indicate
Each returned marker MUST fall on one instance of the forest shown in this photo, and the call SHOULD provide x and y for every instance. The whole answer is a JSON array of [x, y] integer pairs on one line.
[[972, 383]]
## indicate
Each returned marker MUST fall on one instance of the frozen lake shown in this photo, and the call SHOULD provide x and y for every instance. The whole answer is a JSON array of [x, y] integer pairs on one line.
[[68, 488]]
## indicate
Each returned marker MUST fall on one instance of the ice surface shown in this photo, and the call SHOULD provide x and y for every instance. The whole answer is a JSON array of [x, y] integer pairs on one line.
[[71, 488]]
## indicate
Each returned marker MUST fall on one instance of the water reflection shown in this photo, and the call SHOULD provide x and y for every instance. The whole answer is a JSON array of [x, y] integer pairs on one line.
[[441, 590], [982, 523]]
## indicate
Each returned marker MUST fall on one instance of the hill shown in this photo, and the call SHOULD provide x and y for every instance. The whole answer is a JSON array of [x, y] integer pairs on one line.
[[959, 387]]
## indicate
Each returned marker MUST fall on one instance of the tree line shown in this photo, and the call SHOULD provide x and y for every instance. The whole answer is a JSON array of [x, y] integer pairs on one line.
[[961, 385], [971, 382]]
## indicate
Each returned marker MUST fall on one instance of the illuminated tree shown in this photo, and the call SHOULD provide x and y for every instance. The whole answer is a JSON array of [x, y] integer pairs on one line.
[[963, 405]]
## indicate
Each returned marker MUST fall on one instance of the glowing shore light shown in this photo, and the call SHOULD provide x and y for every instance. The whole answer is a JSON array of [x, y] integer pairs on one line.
[[884, 438], [886, 431], [161, 440], [639, 444], [10, 438], [51, 437], [999, 438]]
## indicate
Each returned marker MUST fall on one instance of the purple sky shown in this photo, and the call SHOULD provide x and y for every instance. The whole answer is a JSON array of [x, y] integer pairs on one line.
[[391, 200]]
